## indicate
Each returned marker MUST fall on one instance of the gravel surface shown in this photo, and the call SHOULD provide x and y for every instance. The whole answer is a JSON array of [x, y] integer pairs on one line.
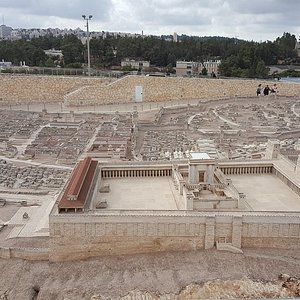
[[172, 275]]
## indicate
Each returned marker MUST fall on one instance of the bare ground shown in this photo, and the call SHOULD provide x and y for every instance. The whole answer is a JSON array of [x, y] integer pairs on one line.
[[195, 275]]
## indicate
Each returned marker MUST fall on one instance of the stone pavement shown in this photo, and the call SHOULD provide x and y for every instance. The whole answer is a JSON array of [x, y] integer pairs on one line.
[[265, 192]]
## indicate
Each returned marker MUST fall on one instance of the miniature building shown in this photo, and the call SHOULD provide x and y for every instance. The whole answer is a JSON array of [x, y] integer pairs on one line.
[[272, 150], [78, 189], [193, 204], [201, 168]]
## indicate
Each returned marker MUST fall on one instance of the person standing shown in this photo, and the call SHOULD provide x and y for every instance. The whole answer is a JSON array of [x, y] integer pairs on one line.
[[274, 89], [258, 90], [266, 90]]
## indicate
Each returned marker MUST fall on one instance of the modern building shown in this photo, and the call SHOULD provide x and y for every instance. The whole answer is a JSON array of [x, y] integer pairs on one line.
[[186, 68], [197, 203], [54, 52], [5, 32], [175, 37], [212, 66], [190, 68], [135, 64], [5, 64]]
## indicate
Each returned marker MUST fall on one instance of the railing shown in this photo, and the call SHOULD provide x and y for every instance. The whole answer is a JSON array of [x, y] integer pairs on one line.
[[200, 186], [170, 213]]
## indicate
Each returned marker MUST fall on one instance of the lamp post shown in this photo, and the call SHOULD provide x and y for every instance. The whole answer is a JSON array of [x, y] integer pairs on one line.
[[87, 18]]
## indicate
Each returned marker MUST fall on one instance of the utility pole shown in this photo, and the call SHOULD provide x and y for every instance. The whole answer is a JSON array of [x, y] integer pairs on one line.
[[87, 19]]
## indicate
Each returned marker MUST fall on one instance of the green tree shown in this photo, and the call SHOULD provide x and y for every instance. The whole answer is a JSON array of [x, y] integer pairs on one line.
[[261, 70], [204, 71], [72, 49], [49, 63]]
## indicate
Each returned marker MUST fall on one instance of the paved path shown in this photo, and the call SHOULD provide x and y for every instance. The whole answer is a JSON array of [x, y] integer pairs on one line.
[[90, 143], [30, 162], [225, 120], [21, 148]]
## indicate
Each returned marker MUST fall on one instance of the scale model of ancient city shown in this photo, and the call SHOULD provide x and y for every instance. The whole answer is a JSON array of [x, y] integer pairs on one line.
[[103, 166]]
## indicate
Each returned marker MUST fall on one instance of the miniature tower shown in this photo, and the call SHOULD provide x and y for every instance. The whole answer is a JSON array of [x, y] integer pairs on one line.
[[272, 150], [201, 168]]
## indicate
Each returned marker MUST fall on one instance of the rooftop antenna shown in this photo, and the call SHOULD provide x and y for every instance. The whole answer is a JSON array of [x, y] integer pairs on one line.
[[2, 20]]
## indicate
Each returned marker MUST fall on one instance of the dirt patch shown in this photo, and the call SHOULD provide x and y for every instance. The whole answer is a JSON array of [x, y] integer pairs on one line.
[[192, 275]]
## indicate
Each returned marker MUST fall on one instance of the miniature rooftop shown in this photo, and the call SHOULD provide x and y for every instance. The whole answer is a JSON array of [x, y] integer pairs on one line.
[[144, 193], [266, 192], [199, 155]]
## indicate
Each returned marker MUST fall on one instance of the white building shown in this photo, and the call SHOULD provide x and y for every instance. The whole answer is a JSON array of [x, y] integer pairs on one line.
[[135, 64], [175, 37], [53, 52], [5, 64], [187, 68]]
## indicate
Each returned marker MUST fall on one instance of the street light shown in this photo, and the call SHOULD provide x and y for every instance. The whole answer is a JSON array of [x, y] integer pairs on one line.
[[87, 18]]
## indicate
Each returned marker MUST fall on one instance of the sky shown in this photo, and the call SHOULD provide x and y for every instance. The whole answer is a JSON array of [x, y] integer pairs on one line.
[[257, 20]]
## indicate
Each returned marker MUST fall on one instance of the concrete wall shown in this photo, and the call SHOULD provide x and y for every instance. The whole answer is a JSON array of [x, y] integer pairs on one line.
[[82, 236]]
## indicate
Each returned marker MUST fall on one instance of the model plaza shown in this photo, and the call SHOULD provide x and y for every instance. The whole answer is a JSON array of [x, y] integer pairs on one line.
[[140, 187], [135, 177]]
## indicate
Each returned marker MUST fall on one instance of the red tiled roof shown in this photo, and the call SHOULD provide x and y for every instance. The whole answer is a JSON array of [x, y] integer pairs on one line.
[[84, 189], [79, 176]]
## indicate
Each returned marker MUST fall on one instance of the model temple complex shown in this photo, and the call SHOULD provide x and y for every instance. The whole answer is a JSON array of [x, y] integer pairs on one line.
[[188, 205], [93, 167]]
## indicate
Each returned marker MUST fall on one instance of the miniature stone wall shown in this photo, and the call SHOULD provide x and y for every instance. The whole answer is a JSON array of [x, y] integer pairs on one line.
[[24, 253], [88, 235], [158, 89], [82, 236], [271, 231], [16, 89]]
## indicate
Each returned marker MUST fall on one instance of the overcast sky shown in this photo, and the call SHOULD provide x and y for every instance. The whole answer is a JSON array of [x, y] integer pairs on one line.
[[257, 20]]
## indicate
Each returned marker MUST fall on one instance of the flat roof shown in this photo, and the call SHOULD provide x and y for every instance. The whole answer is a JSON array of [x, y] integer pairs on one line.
[[266, 192], [199, 155], [145, 193]]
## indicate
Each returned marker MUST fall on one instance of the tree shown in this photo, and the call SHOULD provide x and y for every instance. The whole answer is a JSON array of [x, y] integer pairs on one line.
[[49, 63], [72, 49], [261, 70], [239, 58]]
